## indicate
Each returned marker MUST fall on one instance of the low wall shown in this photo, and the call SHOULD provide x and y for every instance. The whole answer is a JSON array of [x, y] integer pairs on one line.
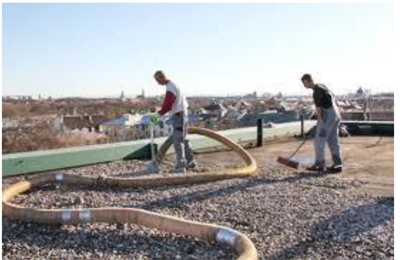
[[31, 162]]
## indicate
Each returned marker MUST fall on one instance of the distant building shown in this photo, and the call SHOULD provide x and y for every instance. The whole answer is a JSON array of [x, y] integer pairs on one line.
[[141, 96], [372, 116], [272, 116], [134, 127], [91, 123], [360, 92], [216, 110], [17, 97]]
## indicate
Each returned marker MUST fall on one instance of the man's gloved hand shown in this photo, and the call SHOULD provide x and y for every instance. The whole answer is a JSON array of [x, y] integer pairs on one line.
[[154, 117]]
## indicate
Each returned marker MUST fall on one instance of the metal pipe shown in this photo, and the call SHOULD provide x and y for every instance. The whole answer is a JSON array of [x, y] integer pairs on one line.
[[259, 132]]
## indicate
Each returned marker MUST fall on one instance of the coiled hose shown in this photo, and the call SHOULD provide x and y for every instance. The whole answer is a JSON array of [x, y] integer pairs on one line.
[[209, 232]]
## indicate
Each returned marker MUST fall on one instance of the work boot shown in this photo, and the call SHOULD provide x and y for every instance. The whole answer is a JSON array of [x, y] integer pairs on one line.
[[335, 168], [316, 168], [192, 165]]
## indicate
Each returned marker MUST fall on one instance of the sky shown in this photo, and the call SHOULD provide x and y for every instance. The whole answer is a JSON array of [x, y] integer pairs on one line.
[[98, 50]]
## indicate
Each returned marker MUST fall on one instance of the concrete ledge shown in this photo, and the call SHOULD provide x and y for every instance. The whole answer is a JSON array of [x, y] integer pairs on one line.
[[379, 128], [30, 162]]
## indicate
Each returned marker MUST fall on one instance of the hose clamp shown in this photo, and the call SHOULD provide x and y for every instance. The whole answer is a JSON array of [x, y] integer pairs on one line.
[[66, 215], [227, 236], [85, 215], [59, 177]]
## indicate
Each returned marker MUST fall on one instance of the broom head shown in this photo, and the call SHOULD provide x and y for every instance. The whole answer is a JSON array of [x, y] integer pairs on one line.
[[287, 162]]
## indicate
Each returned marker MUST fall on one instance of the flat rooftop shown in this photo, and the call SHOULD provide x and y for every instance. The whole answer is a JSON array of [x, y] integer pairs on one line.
[[287, 214]]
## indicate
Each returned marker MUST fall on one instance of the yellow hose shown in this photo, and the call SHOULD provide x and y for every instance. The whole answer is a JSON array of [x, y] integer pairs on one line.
[[209, 232]]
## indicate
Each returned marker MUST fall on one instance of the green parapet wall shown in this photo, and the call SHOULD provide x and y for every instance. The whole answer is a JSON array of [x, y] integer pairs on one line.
[[39, 161], [371, 128], [22, 163]]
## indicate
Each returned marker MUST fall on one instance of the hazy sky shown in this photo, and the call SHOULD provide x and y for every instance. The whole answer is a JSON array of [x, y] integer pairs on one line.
[[102, 49]]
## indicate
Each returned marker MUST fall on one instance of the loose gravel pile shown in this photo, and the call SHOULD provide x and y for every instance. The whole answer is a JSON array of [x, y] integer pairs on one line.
[[287, 215]]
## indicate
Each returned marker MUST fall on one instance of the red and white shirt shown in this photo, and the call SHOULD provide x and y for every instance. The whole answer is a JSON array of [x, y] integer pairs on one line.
[[174, 101]]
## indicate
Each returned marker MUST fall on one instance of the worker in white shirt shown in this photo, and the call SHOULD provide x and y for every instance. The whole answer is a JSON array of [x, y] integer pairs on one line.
[[175, 105]]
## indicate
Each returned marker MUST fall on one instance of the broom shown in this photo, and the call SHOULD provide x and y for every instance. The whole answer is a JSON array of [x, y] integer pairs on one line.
[[287, 161]]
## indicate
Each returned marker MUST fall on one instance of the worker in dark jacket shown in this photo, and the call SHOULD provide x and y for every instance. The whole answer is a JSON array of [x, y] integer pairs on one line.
[[327, 131]]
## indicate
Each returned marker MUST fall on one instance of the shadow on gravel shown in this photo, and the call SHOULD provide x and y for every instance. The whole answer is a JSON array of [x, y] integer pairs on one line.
[[343, 230], [60, 243], [179, 200]]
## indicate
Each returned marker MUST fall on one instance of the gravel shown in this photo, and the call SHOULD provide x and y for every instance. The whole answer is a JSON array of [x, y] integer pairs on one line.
[[287, 215]]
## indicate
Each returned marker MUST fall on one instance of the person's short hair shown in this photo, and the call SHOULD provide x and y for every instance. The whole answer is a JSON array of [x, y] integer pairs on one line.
[[159, 73], [306, 77]]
